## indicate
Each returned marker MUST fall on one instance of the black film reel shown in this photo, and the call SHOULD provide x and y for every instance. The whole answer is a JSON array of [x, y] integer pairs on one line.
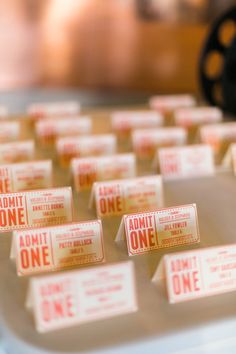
[[218, 63]]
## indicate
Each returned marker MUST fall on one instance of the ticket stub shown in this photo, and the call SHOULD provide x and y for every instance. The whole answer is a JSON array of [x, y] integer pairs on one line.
[[186, 162], [25, 176], [166, 103], [127, 195], [169, 227], [88, 170], [53, 109], [3, 112], [48, 129], [146, 141], [9, 131], [198, 273], [18, 151], [75, 297], [37, 208], [125, 121], [83, 146], [188, 117], [57, 247], [218, 134]]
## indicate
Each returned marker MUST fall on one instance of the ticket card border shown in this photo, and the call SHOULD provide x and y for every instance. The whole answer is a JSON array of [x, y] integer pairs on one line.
[[31, 304], [199, 251], [53, 268], [193, 205], [44, 190]]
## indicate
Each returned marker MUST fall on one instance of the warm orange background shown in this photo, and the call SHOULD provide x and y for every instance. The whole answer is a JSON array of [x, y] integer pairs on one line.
[[96, 44]]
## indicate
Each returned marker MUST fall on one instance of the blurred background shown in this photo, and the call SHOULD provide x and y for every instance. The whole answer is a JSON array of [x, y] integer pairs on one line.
[[138, 45]]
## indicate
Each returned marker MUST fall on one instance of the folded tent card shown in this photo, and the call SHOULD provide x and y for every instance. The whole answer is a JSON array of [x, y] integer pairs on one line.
[[168, 103], [190, 161], [123, 122], [146, 141], [48, 129], [118, 197], [193, 116], [18, 151], [57, 247], [84, 146], [42, 110], [219, 136], [198, 273], [88, 170], [9, 131], [75, 297], [38, 208], [25, 176], [167, 227]]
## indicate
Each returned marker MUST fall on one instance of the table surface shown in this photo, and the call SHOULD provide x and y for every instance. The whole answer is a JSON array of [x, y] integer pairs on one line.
[[18, 100], [200, 326]]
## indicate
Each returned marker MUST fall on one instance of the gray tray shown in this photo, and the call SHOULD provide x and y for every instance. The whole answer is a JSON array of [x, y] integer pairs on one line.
[[157, 326], [195, 327]]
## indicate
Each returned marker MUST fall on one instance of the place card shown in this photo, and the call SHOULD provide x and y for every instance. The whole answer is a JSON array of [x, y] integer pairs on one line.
[[75, 297], [84, 146], [127, 196], [123, 122], [18, 151], [41, 110], [167, 103], [198, 273], [39, 208], [47, 130], [146, 141], [88, 170], [162, 228], [188, 117], [25, 176], [219, 136], [186, 162], [58, 247], [9, 131]]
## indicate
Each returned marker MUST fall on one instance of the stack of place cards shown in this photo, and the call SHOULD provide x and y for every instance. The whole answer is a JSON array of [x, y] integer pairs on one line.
[[9, 131], [76, 297], [38, 208], [198, 273], [25, 176], [123, 122], [186, 162], [83, 146], [219, 136], [190, 117], [127, 195], [88, 170], [146, 141], [18, 151], [53, 109], [47, 130], [3, 112], [169, 227], [168, 103], [57, 247]]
